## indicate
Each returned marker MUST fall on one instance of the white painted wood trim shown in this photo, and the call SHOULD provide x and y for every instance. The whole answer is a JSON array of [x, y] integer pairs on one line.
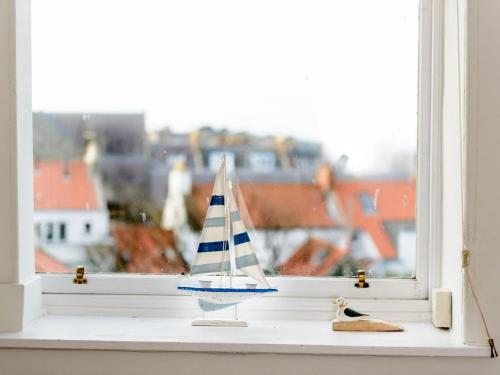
[[264, 336], [20, 288], [186, 307], [452, 213], [474, 119], [429, 181], [435, 221], [308, 287]]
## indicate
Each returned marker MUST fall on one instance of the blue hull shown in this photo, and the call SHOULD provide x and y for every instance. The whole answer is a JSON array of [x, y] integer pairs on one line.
[[227, 290]]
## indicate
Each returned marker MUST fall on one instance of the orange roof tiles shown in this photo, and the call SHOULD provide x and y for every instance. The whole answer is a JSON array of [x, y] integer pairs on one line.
[[394, 201], [275, 206], [145, 249], [53, 190], [314, 258], [45, 263]]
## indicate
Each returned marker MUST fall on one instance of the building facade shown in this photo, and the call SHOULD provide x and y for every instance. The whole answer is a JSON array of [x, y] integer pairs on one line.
[[70, 212]]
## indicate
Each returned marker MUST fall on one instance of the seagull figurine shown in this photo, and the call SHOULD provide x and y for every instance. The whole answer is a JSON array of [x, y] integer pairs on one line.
[[348, 319], [345, 313]]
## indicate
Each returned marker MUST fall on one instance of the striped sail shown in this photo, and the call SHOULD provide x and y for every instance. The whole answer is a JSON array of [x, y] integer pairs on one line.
[[213, 249], [245, 259]]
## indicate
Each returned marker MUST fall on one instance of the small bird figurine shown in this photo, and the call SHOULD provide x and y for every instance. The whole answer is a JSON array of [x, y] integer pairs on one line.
[[351, 320], [345, 313]]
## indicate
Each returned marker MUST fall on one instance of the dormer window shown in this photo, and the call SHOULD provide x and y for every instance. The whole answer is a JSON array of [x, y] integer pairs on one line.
[[368, 203]]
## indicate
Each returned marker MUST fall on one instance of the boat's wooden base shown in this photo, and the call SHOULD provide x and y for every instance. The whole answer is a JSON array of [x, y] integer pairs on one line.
[[368, 325], [219, 323]]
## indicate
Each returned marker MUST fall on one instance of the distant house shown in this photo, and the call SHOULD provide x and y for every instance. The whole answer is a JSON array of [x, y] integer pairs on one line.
[[259, 159], [277, 206], [281, 218], [144, 249], [308, 228], [116, 142], [70, 213], [246, 152], [382, 214], [313, 258]]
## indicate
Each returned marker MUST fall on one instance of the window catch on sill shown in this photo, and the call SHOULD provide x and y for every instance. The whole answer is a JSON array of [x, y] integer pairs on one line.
[[80, 276], [362, 280]]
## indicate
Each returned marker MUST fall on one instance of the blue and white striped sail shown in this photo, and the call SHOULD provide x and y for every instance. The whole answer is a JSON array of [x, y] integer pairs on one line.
[[213, 249], [244, 256]]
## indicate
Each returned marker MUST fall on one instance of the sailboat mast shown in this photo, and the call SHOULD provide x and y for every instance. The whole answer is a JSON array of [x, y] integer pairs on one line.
[[232, 261], [231, 272], [232, 252], [227, 253], [226, 225]]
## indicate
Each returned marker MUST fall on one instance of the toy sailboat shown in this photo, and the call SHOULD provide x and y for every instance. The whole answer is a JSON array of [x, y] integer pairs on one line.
[[224, 227]]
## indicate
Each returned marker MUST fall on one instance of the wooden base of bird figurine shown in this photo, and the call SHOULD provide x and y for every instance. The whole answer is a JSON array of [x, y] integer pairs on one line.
[[348, 319], [366, 325], [219, 323]]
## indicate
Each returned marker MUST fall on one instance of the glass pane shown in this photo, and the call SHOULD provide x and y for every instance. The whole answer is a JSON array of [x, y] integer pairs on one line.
[[313, 104]]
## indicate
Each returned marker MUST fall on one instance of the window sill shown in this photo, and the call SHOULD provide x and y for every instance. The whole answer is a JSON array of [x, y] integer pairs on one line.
[[262, 336]]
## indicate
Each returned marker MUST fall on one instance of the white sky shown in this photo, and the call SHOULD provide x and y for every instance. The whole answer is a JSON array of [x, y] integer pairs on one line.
[[340, 72]]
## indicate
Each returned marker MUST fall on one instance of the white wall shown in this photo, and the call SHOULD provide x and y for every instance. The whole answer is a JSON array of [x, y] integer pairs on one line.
[[75, 221], [407, 248], [483, 165], [79, 362]]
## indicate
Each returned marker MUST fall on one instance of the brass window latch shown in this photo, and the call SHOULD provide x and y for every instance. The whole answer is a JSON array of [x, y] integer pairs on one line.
[[80, 276], [362, 280]]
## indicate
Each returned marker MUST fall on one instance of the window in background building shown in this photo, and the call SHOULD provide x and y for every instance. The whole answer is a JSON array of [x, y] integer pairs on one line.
[[38, 230], [126, 148], [368, 203], [50, 232], [264, 162], [62, 232], [215, 157]]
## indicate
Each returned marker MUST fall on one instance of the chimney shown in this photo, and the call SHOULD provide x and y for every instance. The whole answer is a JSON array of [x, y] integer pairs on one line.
[[194, 141], [282, 148], [174, 215], [91, 149], [325, 178], [179, 179]]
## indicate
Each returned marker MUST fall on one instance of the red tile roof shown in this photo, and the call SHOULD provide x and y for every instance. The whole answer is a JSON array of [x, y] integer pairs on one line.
[[275, 206], [314, 258], [394, 200], [145, 249], [45, 263], [53, 190]]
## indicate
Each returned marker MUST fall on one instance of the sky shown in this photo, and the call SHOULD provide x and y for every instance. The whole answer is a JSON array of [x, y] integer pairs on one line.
[[343, 73]]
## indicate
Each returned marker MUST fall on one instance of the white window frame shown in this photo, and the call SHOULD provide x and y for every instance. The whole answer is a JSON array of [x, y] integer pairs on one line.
[[428, 219]]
